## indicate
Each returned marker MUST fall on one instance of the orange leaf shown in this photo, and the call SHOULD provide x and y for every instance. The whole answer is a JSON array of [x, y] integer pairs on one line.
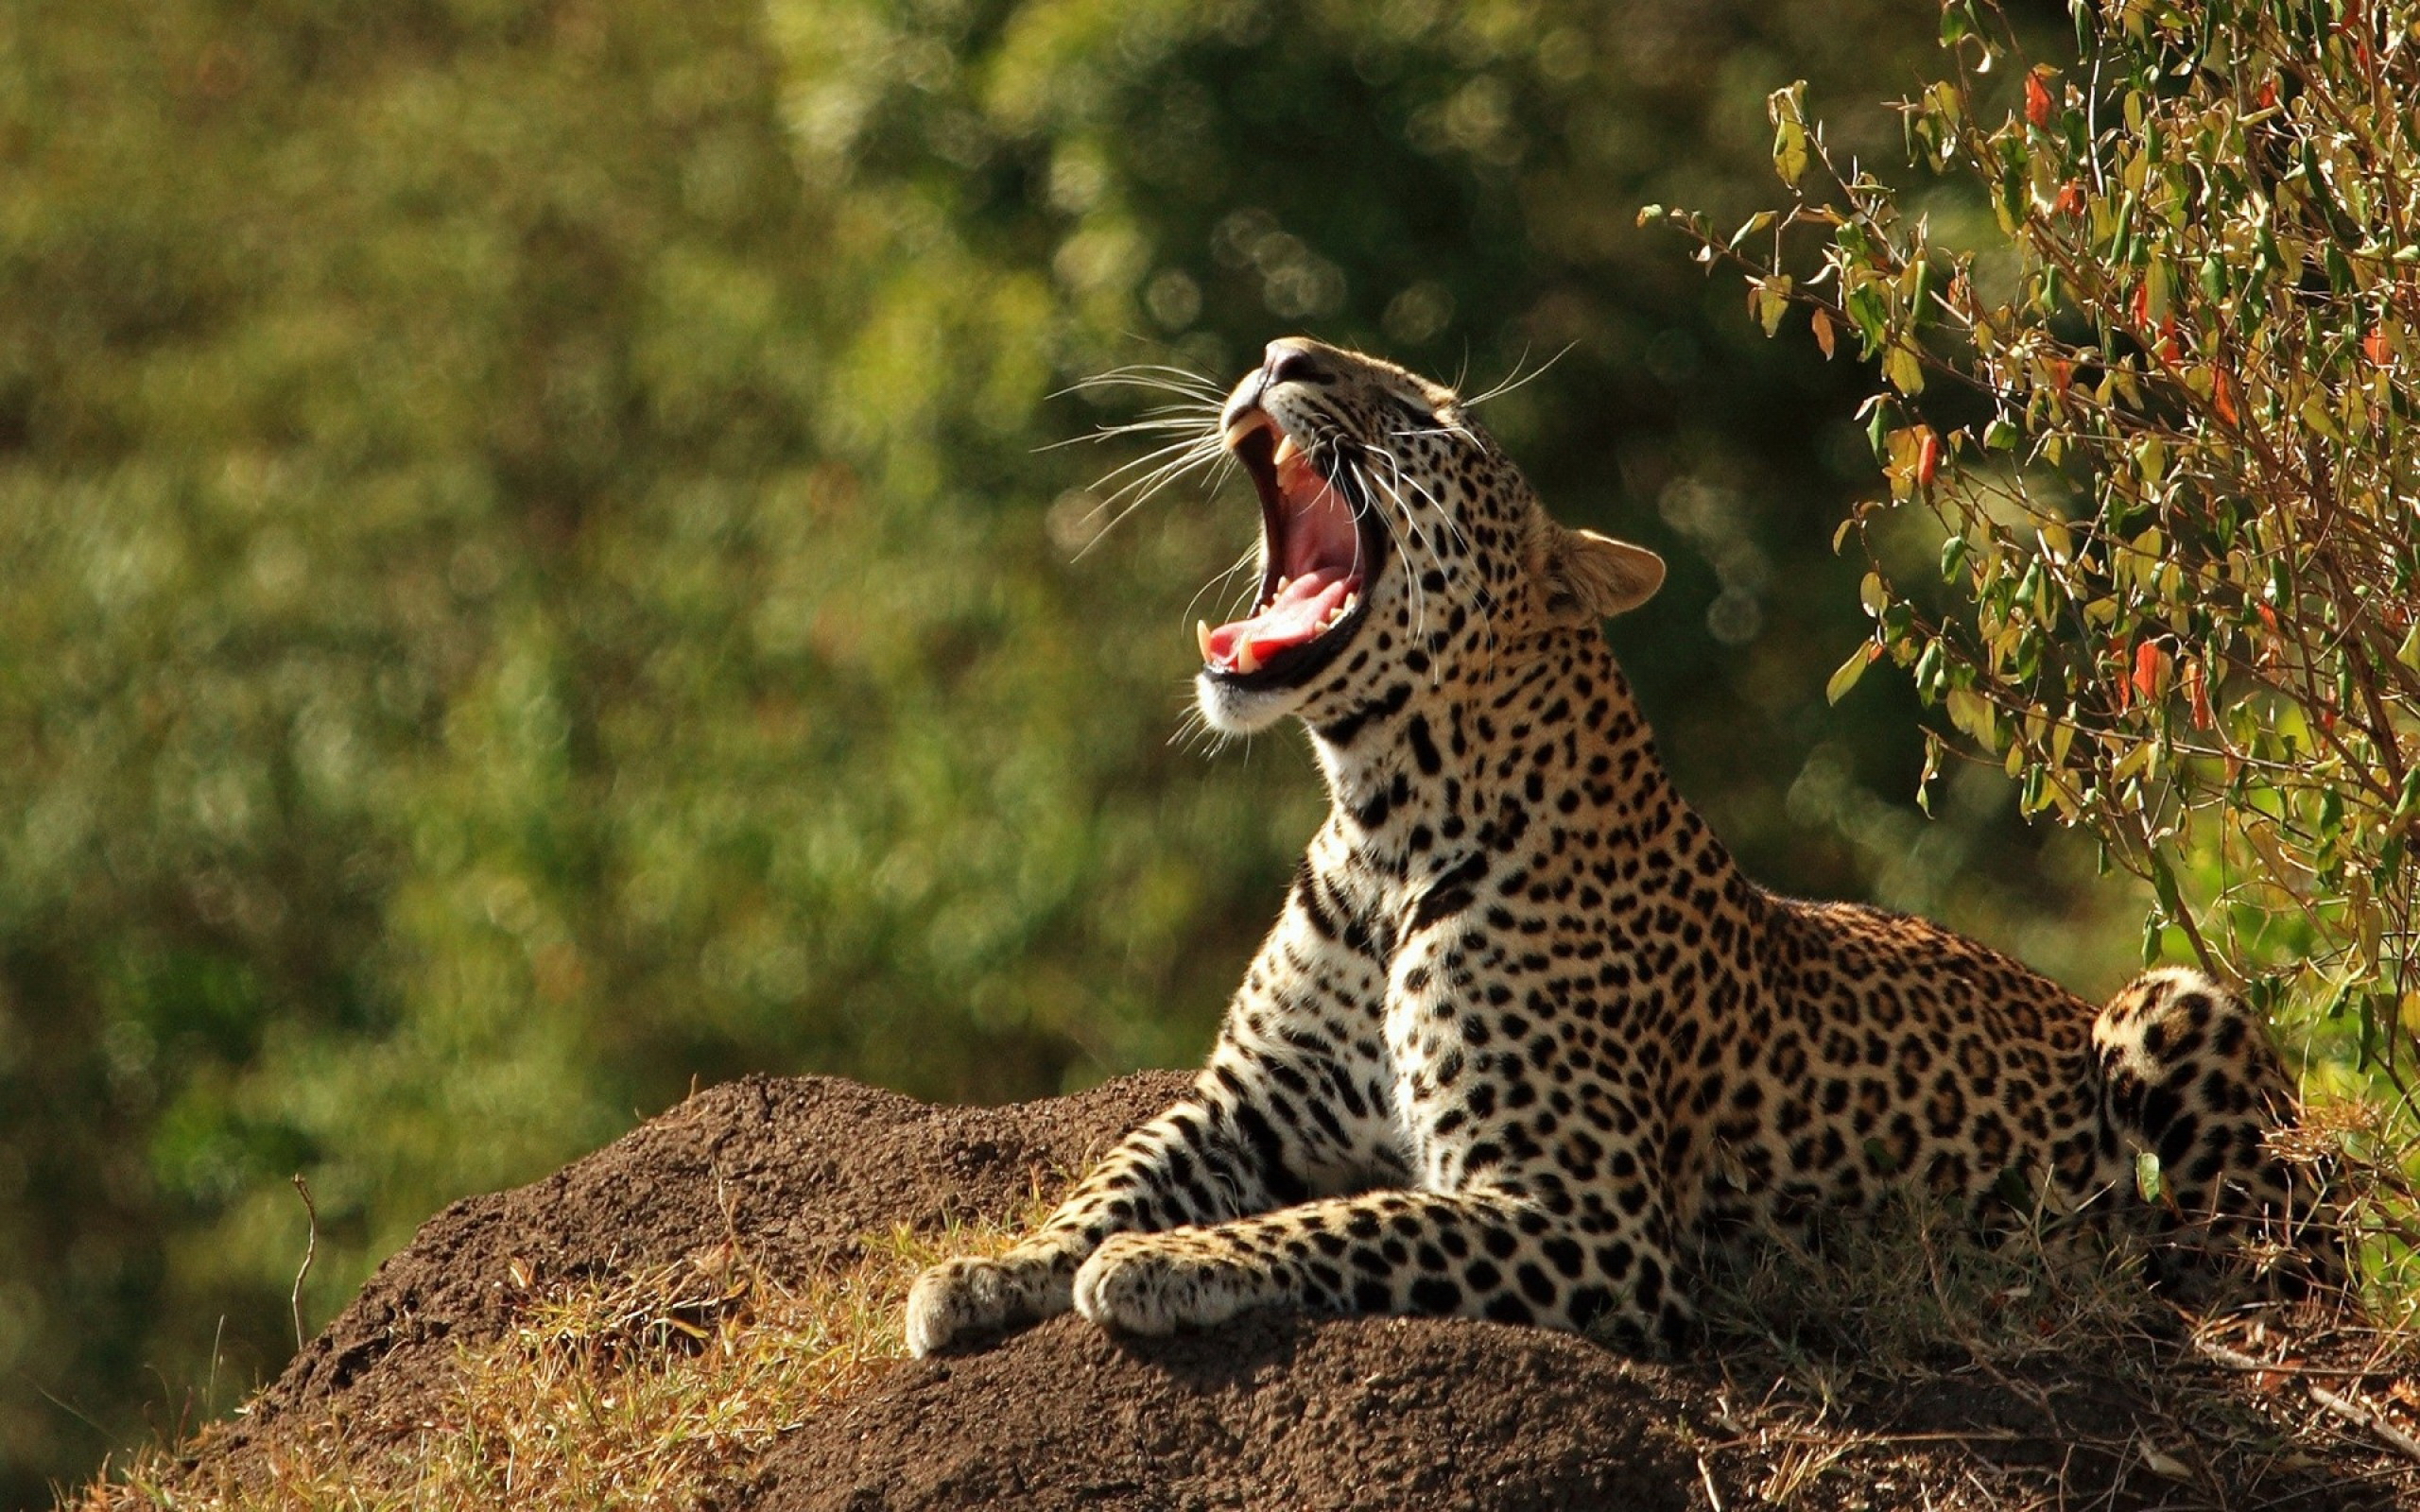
[[2198, 693], [1927, 454], [2374, 347], [2151, 667], [2071, 200], [1822, 324], [2222, 395], [2037, 98]]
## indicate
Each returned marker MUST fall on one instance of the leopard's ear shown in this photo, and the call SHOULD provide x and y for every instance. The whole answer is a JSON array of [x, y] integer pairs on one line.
[[1587, 576]]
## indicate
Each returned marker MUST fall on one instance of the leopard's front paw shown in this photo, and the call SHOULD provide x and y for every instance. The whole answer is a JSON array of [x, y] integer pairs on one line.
[[964, 1298], [1153, 1284]]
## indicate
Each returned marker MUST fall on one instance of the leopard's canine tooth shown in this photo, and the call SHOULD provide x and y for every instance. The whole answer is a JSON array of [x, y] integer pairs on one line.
[[1242, 430]]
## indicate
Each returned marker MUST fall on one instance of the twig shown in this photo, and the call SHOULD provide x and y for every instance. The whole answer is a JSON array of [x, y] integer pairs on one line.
[[1705, 1478], [310, 1252], [2354, 1412], [2219, 1355], [1854, 1439]]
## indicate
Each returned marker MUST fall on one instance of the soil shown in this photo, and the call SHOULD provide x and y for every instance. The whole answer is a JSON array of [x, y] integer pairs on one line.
[[1275, 1410]]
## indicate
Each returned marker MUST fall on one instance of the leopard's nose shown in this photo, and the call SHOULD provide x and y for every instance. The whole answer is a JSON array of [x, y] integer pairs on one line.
[[1286, 360], [1295, 360]]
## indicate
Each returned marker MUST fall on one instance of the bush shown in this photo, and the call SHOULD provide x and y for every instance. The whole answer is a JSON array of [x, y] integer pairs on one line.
[[2163, 422]]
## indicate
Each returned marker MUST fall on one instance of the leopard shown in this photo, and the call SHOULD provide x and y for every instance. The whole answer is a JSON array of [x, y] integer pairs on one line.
[[1524, 1040]]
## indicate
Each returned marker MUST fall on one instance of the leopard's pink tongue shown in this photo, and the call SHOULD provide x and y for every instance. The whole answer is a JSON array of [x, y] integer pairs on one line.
[[1294, 617]]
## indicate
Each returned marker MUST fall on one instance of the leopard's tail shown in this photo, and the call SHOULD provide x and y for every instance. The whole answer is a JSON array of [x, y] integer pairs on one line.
[[2206, 1122]]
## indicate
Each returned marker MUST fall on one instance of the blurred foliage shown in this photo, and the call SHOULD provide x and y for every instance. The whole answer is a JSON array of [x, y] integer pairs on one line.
[[533, 580], [2172, 472]]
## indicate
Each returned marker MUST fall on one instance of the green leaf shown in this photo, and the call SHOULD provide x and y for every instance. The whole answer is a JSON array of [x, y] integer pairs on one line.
[[1865, 309], [1748, 227], [2147, 1174], [1904, 367], [2164, 886], [1845, 679], [1772, 302], [1973, 713], [1790, 155]]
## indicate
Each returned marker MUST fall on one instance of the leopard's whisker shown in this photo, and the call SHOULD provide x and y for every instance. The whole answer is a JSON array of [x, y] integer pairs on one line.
[[1518, 379]]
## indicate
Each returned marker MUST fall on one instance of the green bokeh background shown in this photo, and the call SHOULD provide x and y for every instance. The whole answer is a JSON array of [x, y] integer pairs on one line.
[[532, 580]]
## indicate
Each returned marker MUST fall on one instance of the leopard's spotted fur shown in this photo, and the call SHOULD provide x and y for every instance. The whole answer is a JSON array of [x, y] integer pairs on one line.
[[1524, 1034]]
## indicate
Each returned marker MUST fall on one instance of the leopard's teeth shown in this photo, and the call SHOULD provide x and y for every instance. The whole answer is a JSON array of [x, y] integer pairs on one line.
[[1202, 629], [1245, 660]]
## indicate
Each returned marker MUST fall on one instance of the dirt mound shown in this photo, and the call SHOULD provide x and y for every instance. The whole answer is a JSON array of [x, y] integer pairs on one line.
[[1272, 1410], [795, 1169]]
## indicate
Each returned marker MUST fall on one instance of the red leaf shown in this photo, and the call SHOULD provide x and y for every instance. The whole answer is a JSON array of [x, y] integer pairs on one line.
[[2037, 100], [2150, 662], [1927, 454], [2071, 200]]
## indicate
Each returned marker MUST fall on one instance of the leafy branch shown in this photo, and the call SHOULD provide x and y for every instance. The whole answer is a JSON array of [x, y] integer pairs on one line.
[[2162, 425]]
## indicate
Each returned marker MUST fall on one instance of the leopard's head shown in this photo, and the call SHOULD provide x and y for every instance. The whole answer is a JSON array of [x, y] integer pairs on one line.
[[1399, 546]]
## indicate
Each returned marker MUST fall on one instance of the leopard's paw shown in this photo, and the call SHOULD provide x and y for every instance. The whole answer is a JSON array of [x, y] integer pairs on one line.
[[966, 1299], [1149, 1284]]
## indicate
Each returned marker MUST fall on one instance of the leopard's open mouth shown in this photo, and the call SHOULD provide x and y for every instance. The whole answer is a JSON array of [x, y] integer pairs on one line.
[[1321, 545]]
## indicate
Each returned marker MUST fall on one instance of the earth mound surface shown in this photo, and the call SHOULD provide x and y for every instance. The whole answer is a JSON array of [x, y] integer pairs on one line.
[[1273, 1411]]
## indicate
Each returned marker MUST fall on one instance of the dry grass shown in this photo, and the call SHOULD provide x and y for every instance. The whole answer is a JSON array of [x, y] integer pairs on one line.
[[1916, 1291], [2050, 1350], [645, 1390]]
